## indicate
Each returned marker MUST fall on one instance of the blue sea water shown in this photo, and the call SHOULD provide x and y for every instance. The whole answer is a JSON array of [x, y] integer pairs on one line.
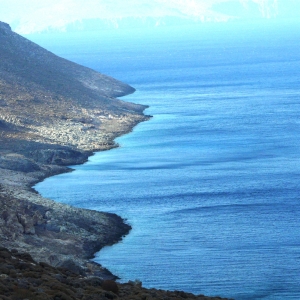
[[211, 183]]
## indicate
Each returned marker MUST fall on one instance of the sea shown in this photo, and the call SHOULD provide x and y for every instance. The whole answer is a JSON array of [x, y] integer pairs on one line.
[[211, 183]]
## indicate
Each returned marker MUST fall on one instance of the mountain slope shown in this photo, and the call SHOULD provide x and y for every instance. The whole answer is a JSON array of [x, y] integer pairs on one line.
[[45, 93], [54, 113]]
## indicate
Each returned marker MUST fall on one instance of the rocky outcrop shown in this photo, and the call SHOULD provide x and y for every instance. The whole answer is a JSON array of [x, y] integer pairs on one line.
[[59, 234], [58, 156], [18, 162]]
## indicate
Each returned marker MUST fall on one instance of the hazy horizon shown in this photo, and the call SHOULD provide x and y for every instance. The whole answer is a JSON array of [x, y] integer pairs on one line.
[[33, 16]]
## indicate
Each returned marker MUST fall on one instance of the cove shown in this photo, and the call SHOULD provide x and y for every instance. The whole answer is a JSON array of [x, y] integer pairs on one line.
[[210, 184]]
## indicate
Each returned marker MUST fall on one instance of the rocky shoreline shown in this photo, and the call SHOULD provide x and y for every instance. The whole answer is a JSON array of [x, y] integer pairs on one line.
[[51, 232], [48, 247], [53, 114]]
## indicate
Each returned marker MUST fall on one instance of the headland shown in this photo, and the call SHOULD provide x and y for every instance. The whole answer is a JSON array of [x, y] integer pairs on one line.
[[55, 113]]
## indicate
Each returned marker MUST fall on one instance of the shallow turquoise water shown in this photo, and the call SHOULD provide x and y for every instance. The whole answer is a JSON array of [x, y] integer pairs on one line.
[[211, 183]]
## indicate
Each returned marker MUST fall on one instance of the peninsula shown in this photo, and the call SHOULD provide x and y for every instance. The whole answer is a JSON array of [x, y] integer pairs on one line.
[[55, 113]]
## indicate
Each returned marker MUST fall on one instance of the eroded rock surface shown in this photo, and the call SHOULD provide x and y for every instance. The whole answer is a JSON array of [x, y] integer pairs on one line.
[[58, 234]]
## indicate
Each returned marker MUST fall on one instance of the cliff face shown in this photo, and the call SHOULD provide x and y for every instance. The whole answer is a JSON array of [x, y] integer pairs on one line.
[[54, 113]]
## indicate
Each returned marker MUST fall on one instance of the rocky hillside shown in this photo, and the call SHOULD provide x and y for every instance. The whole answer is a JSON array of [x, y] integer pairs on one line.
[[50, 100], [54, 113]]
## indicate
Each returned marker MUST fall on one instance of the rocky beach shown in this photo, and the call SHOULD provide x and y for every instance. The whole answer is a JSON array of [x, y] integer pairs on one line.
[[55, 113]]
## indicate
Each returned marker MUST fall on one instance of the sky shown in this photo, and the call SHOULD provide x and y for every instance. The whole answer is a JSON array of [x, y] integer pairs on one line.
[[32, 16]]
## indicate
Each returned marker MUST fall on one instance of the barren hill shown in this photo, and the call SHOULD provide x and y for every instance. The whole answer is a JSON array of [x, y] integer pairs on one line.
[[53, 101], [54, 113]]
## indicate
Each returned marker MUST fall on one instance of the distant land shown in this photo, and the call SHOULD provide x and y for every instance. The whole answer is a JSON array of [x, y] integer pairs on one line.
[[33, 16], [55, 113]]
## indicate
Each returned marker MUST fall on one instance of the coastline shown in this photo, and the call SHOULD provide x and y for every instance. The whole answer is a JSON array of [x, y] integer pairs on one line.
[[53, 114], [74, 263], [18, 186]]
